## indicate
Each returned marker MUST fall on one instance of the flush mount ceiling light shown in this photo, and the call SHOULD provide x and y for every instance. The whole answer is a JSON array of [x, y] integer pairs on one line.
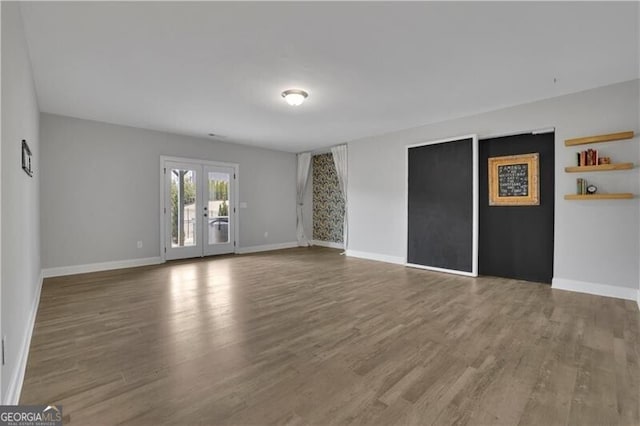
[[294, 97]]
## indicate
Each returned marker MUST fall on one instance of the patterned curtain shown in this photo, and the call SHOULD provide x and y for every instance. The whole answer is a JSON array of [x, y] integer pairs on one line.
[[340, 159]]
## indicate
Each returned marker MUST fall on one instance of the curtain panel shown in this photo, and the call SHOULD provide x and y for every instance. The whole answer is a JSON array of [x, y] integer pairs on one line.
[[304, 161], [340, 160]]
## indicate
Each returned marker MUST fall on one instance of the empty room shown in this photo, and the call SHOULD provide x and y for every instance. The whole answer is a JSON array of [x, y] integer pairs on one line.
[[314, 213]]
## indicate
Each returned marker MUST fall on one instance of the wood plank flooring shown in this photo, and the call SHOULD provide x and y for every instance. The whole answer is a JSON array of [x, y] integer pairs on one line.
[[310, 337]]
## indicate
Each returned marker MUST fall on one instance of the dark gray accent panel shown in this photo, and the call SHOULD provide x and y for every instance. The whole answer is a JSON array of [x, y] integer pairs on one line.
[[440, 205], [517, 241]]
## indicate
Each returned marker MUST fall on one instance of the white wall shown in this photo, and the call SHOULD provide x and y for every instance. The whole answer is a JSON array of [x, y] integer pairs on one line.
[[20, 201], [101, 190], [595, 241]]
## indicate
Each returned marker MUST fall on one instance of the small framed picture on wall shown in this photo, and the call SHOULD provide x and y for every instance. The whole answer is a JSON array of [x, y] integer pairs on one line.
[[26, 158]]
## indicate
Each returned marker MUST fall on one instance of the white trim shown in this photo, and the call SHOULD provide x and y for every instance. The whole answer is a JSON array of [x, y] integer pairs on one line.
[[162, 211], [595, 288], [196, 161], [266, 247], [329, 244], [638, 299], [17, 380], [434, 142], [236, 208], [103, 266], [475, 201], [518, 133], [476, 206], [375, 256], [448, 271]]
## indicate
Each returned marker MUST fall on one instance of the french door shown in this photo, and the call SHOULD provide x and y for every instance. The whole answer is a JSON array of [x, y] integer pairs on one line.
[[198, 208]]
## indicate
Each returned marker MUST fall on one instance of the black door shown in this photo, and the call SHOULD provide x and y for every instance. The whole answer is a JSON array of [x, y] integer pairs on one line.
[[517, 241]]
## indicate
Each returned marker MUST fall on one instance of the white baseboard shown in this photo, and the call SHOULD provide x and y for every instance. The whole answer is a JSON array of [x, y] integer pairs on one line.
[[446, 271], [17, 379], [595, 288], [103, 266], [329, 244], [266, 247], [375, 256]]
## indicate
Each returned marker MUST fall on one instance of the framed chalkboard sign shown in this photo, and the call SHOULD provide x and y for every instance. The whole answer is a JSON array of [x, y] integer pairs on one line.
[[513, 180]]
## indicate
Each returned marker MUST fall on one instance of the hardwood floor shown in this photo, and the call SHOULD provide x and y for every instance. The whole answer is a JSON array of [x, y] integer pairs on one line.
[[309, 337]]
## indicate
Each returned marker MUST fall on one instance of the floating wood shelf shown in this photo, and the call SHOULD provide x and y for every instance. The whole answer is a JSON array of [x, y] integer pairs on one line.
[[620, 196], [599, 168], [600, 138]]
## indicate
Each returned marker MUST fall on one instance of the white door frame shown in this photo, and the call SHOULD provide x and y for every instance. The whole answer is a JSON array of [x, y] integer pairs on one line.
[[475, 225], [236, 189]]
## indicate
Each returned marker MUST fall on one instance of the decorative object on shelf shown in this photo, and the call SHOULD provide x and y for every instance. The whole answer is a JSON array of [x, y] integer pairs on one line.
[[26, 158], [587, 158], [590, 161], [513, 180]]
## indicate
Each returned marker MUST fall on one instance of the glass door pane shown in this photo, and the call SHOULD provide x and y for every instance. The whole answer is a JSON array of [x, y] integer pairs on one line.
[[219, 229], [182, 210], [218, 207]]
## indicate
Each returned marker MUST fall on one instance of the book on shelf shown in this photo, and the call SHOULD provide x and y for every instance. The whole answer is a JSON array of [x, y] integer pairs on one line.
[[588, 157], [581, 186]]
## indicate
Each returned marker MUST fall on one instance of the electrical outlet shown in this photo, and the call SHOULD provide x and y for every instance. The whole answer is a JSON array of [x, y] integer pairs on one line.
[[139, 244], [266, 235]]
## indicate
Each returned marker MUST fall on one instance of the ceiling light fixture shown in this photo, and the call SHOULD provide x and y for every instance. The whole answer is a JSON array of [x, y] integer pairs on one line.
[[294, 97]]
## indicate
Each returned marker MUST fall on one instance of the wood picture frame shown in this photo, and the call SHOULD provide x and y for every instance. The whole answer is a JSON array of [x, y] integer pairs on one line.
[[26, 158], [513, 180]]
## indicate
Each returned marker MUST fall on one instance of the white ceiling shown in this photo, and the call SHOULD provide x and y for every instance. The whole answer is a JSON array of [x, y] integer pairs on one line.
[[370, 68]]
